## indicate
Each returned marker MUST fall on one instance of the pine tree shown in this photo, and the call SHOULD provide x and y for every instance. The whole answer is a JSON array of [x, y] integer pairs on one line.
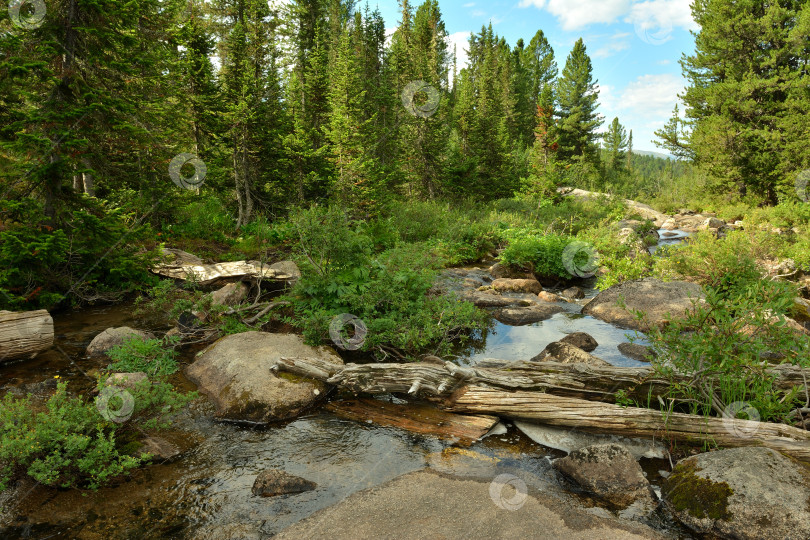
[[615, 150], [629, 163], [577, 95], [747, 81]]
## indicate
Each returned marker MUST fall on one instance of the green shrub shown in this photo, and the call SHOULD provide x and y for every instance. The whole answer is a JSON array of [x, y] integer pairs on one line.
[[721, 345], [68, 444], [541, 254], [204, 218], [151, 356]]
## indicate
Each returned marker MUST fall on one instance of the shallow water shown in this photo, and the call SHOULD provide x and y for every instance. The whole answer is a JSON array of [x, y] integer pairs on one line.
[[209, 487]]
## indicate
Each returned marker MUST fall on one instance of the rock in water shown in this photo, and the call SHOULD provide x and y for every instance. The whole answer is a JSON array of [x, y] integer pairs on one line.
[[742, 494], [112, 337], [275, 482], [235, 374], [659, 301], [568, 354], [518, 316], [637, 352], [607, 471], [584, 341], [517, 285]]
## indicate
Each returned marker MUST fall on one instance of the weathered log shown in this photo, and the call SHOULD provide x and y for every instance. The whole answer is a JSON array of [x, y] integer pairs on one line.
[[24, 334], [594, 383], [464, 429], [186, 266], [630, 421]]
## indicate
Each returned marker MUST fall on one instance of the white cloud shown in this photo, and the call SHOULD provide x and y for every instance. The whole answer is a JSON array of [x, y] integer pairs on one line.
[[478, 13], [652, 96], [647, 14], [459, 40], [469, 4], [611, 48], [580, 13]]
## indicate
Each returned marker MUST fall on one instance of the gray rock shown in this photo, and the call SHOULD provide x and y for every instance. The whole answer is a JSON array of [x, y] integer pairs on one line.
[[546, 296], [567, 354], [160, 449], [518, 316], [573, 293], [517, 285], [235, 374], [127, 381], [659, 301], [607, 471], [584, 341], [637, 352], [500, 270], [712, 223], [487, 299], [274, 482], [569, 440], [112, 337], [741, 494], [231, 294]]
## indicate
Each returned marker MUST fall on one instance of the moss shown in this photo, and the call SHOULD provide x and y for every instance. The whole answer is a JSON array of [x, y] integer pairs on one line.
[[701, 497]]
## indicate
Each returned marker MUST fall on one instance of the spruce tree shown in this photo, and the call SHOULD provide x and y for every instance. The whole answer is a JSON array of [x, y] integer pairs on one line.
[[577, 95]]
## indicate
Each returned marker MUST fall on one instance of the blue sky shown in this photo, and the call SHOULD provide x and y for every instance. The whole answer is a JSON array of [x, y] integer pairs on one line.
[[634, 46]]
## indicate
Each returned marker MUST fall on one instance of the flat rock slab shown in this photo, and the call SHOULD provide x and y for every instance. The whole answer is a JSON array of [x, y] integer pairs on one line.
[[235, 374], [518, 316], [465, 429], [660, 302], [424, 504]]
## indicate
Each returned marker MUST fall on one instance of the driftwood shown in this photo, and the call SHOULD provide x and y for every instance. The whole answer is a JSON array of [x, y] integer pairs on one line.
[[182, 265], [630, 421], [594, 383], [464, 429], [24, 334]]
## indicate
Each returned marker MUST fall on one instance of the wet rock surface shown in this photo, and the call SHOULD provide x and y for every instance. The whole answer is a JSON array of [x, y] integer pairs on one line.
[[274, 482], [606, 471], [517, 316], [565, 353], [582, 340], [637, 352]]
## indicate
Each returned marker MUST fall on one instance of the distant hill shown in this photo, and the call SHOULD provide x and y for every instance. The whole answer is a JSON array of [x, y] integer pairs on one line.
[[654, 154]]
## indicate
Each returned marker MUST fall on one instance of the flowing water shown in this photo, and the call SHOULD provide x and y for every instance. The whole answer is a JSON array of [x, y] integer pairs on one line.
[[209, 487]]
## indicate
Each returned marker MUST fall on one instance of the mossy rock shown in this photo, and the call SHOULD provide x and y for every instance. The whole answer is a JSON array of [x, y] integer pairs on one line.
[[700, 497]]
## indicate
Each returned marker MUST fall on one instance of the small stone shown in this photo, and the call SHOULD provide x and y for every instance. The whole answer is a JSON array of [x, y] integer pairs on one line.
[[546, 296], [567, 354], [573, 293], [127, 381], [274, 482]]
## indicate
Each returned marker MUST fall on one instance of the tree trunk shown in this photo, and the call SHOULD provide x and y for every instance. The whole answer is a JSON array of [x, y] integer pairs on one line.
[[24, 334], [631, 421]]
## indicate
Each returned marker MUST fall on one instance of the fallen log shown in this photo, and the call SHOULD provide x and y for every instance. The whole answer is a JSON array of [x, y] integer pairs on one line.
[[630, 421], [182, 265], [24, 334], [594, 383], [424, 419]]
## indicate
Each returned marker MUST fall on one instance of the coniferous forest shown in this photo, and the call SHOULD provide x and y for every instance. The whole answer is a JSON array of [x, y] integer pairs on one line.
[[227, 171]]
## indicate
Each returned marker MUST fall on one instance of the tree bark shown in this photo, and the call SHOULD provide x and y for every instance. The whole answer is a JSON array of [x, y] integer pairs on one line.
[[24, 334], [630, 421]]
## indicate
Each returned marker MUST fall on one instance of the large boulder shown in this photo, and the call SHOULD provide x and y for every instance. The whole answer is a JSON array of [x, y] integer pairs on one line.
[[500, 270], [566, 353], [741, 494], [660, 302], [112, 337], [608, 472], [235, 374]]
